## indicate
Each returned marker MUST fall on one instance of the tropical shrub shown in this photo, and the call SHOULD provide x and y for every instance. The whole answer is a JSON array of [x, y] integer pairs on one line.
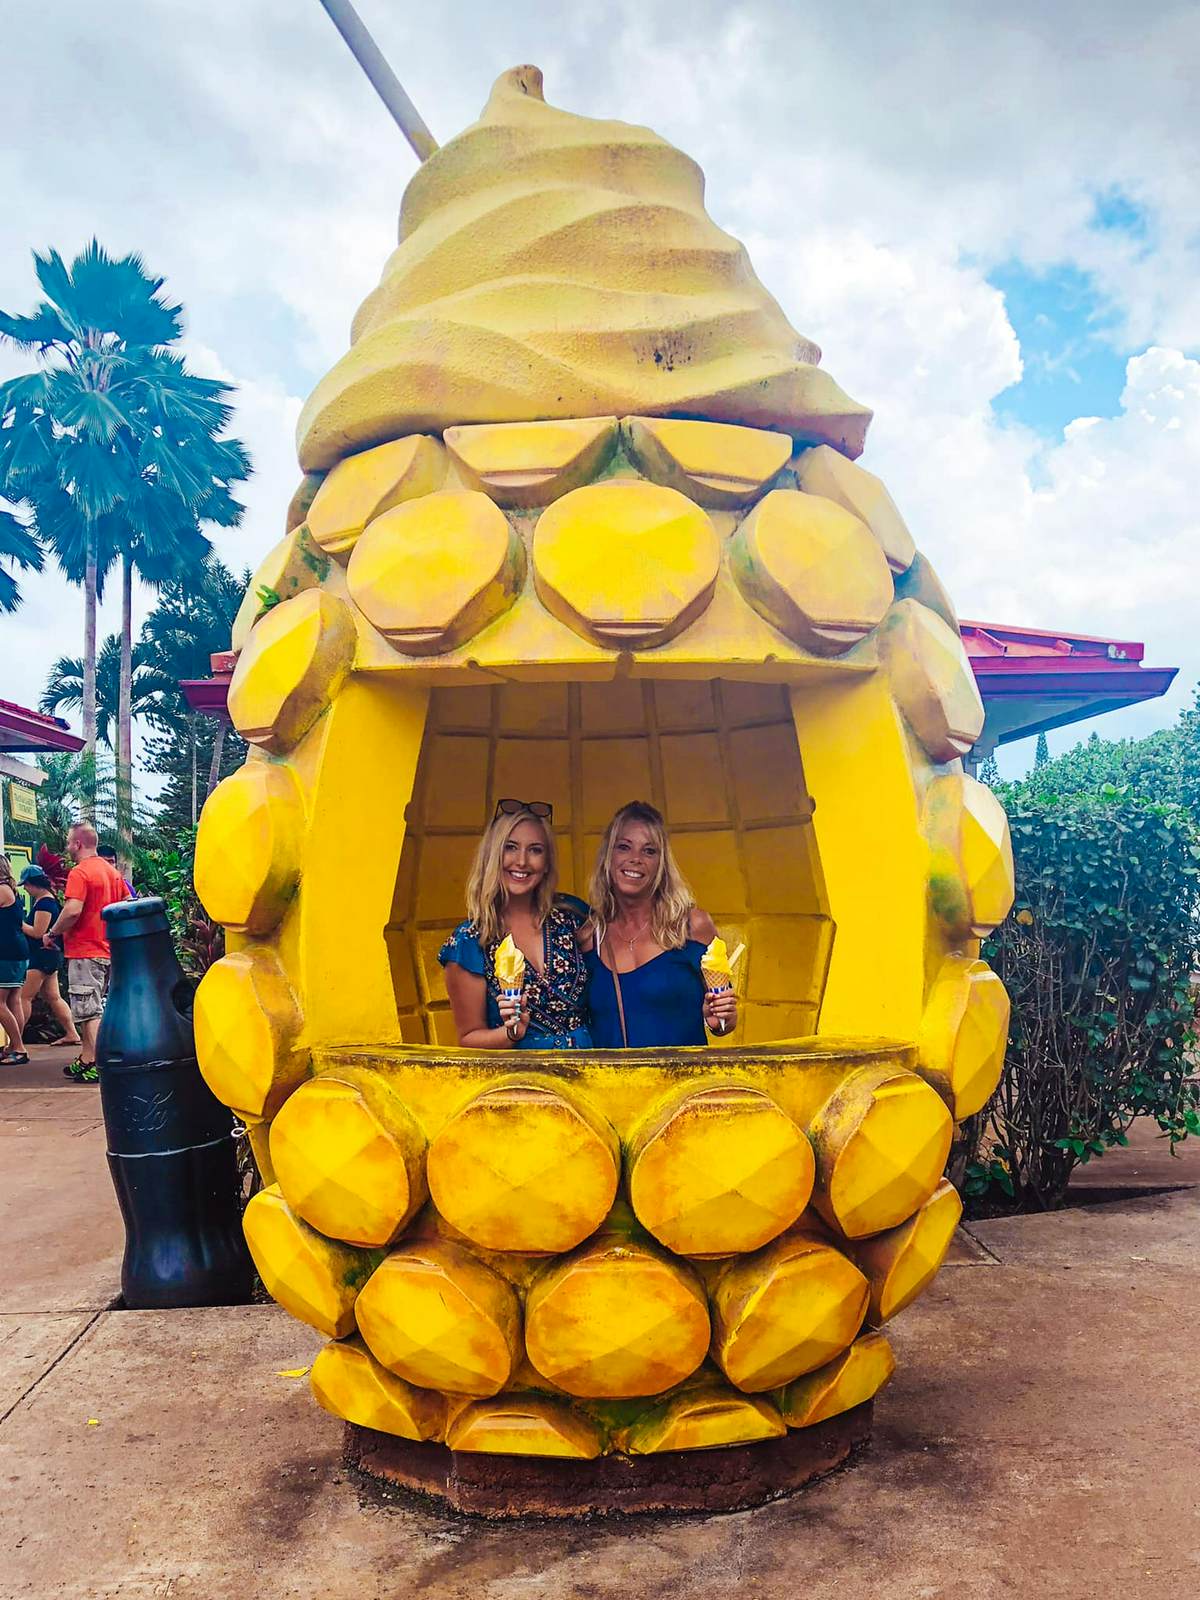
[[1097, 957]]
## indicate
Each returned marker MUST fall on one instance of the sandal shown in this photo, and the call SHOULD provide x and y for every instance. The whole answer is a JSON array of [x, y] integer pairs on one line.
[[17, 1058], [74, 1043]]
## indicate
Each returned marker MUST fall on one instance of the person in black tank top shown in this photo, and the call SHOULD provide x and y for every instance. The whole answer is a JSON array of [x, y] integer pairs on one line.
[[45, 963]]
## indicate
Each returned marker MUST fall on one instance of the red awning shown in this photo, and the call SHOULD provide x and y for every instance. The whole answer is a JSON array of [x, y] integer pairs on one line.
[[1032, 680], [33, 731]]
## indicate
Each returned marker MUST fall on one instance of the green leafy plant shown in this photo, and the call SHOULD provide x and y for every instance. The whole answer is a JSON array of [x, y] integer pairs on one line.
[[1097, 957]]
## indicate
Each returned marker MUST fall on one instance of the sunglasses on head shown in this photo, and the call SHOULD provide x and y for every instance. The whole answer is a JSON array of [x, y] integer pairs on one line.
[[510, 808]]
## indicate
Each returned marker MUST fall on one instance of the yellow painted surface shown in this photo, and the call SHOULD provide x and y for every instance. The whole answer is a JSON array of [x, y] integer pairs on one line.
[[248, 1033], [293, 565], [902, 1262], [430, 574], [437, 1082], [349, 1383], [827, 472], [591, 591], [435, 1315], [812, 569], [971, 864], [716, 464], [258, 1132], [874, 861], [365, 485], [531, 463], [373, 729], [617, 1318], [349, 1158], [525, 1167], [922, 585], [302, 499], [932, 680], [248, 847], [719, 1170], [881, 1140], [314, 1278], [294, 663], [963, 1034], [525, 1425], [604, 293], [625, 563], [706, 1414], [848, 1380], [785, 1310]]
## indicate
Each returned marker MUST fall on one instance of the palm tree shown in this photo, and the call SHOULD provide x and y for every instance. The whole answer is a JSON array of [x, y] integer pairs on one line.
[[23, 549], [78, 784], [114, 446], [64, 686]]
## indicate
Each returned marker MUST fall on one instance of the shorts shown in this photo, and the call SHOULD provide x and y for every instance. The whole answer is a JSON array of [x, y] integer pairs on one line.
[[12, 974], [87, 979], [44, 960]]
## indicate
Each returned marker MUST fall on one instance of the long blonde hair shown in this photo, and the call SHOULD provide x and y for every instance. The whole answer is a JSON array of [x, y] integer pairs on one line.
[[671, 898], [6, 874], [486, 893]]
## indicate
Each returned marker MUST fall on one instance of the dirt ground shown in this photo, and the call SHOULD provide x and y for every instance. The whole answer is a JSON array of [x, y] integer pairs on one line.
[[1041, 1437]]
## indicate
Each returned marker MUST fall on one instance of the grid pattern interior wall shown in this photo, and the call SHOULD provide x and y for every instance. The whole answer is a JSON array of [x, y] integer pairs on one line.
[[718, 758]]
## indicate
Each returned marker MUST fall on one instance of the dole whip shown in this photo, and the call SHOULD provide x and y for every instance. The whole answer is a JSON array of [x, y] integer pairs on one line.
[[716, 967], [509, 964], [552, 265]]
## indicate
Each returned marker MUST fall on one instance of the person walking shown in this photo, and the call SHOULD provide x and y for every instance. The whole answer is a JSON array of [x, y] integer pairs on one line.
[[14, 962], [45, 964], [92, 884]]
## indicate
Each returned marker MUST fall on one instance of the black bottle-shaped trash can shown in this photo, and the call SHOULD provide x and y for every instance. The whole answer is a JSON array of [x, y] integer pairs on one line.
[[170, 1140]]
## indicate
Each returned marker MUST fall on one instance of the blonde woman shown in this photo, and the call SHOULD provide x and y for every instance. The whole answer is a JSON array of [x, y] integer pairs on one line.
[[512, 889], [644, 942]]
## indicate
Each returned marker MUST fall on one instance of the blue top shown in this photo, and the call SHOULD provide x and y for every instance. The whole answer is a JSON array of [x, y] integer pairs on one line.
[[13, 944], [557, 1017], [663, 1000]]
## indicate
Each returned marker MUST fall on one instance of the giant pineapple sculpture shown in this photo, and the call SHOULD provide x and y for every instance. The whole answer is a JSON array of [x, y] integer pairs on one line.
[[581, 521]]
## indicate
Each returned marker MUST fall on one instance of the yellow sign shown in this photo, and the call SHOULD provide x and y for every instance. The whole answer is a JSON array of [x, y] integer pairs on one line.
[[22, 803]]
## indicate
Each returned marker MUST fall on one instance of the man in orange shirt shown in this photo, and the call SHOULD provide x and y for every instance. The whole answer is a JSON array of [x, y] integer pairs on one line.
[[92, 884]]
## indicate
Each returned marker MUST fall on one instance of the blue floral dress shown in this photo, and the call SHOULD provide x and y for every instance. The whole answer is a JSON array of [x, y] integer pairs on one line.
[[557, 1011]]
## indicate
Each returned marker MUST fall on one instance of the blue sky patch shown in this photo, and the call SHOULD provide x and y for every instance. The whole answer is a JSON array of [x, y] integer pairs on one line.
[[1065, 328]]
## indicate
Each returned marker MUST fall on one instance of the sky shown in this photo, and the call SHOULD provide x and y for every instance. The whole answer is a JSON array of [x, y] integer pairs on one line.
[[986, 216]]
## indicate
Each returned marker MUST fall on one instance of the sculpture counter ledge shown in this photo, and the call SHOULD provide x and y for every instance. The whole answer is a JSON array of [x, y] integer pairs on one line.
[[581, 521]]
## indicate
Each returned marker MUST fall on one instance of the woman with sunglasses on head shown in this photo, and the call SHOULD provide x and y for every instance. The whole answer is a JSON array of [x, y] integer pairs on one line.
[[512, 890], [644, 942]]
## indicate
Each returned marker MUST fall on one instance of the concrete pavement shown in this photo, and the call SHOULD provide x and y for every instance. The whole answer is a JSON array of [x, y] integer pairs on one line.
[[1041, 1437]]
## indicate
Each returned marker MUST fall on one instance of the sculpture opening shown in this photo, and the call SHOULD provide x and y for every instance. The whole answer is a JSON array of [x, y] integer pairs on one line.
[[585, 528], [720, 760]]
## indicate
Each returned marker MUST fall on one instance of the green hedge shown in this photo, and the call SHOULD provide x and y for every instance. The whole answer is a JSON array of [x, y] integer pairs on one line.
[[1097, 957]]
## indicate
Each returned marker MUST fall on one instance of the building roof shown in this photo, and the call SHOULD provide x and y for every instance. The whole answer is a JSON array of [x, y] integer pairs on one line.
[[1029, 679], [1032, 680], [32, 731]]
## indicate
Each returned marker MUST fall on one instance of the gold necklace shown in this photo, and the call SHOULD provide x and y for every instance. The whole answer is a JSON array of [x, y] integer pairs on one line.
[[632, 943]]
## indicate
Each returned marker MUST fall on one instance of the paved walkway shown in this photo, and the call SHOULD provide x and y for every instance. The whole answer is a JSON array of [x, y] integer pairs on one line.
[[1041, 1438]]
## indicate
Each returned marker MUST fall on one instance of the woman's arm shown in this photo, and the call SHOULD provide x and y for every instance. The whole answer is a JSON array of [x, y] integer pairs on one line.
[[6, 895], [720, 1010], [35, 930], [468, 1004]]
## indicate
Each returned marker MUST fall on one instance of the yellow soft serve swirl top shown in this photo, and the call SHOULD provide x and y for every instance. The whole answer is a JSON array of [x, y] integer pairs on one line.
[[551, 265]]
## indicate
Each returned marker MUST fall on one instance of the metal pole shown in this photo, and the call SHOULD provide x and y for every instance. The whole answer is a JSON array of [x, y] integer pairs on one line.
[[383, 80]]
